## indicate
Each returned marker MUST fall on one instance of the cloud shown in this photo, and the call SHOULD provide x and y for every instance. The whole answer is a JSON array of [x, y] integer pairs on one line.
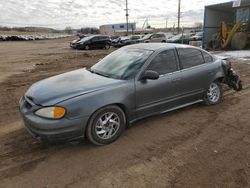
[[79, 13]]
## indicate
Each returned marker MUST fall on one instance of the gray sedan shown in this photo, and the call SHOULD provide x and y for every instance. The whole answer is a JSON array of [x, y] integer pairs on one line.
[[129, 84]]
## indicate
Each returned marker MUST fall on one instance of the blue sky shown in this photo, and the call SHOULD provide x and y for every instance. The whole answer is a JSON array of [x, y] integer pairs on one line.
[[81, 13]]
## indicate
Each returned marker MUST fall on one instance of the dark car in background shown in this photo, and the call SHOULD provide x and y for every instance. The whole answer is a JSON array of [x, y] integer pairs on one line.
[[127, 40], [198, 36], [181, 39], [129, 84], [92, 42]]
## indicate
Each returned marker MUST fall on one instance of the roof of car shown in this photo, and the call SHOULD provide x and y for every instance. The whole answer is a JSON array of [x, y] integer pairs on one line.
[[157, 46]]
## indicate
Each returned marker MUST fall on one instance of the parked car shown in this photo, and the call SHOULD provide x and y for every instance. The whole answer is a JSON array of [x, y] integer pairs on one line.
[[73, 43], [131, 83], [197, 36], [115, 39], [92, 42], [181, 39], [127, 40], [155, 37], [169, 36]]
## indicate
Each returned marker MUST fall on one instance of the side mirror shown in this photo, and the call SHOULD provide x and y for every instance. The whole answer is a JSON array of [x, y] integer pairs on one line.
[[150, 75]]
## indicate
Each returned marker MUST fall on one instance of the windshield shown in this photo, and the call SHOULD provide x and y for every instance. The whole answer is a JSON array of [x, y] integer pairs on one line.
[[122, 63], [86, 38], [198, 34], [146, 36], [125, 38], [176, 37]]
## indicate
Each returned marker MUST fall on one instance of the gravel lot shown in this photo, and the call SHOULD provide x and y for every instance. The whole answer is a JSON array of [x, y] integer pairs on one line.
[[198, 146]]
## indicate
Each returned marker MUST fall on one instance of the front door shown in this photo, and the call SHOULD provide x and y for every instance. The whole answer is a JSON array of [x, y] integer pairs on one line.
[[154, 96]]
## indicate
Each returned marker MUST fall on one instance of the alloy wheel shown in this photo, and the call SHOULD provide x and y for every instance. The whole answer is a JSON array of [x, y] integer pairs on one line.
[[213, 93], [107, 125]]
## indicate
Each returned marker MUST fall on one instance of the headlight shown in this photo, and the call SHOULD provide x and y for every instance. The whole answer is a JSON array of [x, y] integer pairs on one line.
[[51, 112]]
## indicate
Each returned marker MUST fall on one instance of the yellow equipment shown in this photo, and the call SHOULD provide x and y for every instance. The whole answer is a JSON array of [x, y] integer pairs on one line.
[[227, 33], [234, 36]]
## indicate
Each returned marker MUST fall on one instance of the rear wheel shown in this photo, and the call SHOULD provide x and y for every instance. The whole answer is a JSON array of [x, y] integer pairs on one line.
[[106, 46], [213, 94], [106, 125]]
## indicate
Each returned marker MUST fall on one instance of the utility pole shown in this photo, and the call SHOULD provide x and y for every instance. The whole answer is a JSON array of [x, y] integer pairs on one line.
[[127, 15], [179, 15], [166, 23]]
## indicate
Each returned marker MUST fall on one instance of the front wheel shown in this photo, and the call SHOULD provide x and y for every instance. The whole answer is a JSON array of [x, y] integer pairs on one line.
[[106, 125], [87, 47], [213, 94]]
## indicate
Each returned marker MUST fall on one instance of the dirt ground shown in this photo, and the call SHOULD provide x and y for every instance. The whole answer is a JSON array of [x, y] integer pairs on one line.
[[198, 146]]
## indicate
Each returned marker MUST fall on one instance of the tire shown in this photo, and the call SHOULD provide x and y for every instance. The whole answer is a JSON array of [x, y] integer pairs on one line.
[[213, 94], [239, 41], [101, 130], [106, 46], [87, 47]]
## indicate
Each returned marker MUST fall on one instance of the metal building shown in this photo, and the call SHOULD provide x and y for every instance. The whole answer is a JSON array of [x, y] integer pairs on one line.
[[111, 29], [215, 14]]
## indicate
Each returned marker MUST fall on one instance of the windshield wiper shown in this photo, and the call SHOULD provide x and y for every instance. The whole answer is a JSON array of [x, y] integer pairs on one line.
[[99, 73]]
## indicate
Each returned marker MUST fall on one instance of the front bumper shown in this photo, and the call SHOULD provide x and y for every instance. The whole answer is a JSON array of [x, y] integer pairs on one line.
[[47, 130], [76, 46]]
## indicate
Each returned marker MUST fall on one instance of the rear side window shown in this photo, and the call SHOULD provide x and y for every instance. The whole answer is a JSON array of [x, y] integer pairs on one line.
[[160, 35], [102, 37], [207, 58], [135, 37], [164, 62], [190, 57], [106, 37]]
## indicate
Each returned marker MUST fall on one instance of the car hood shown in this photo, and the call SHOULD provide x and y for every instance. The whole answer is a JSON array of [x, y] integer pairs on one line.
[[68, 85], [75, 41]]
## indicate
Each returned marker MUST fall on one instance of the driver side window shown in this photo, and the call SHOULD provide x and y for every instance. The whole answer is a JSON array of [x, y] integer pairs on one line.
[[164, 63]]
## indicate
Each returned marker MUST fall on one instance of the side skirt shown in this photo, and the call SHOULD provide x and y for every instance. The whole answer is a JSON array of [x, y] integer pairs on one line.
[[168, 110]]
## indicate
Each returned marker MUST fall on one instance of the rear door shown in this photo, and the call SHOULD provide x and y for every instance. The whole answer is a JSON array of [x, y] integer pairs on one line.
[[154, 96], [97, 42], [195, 73]]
